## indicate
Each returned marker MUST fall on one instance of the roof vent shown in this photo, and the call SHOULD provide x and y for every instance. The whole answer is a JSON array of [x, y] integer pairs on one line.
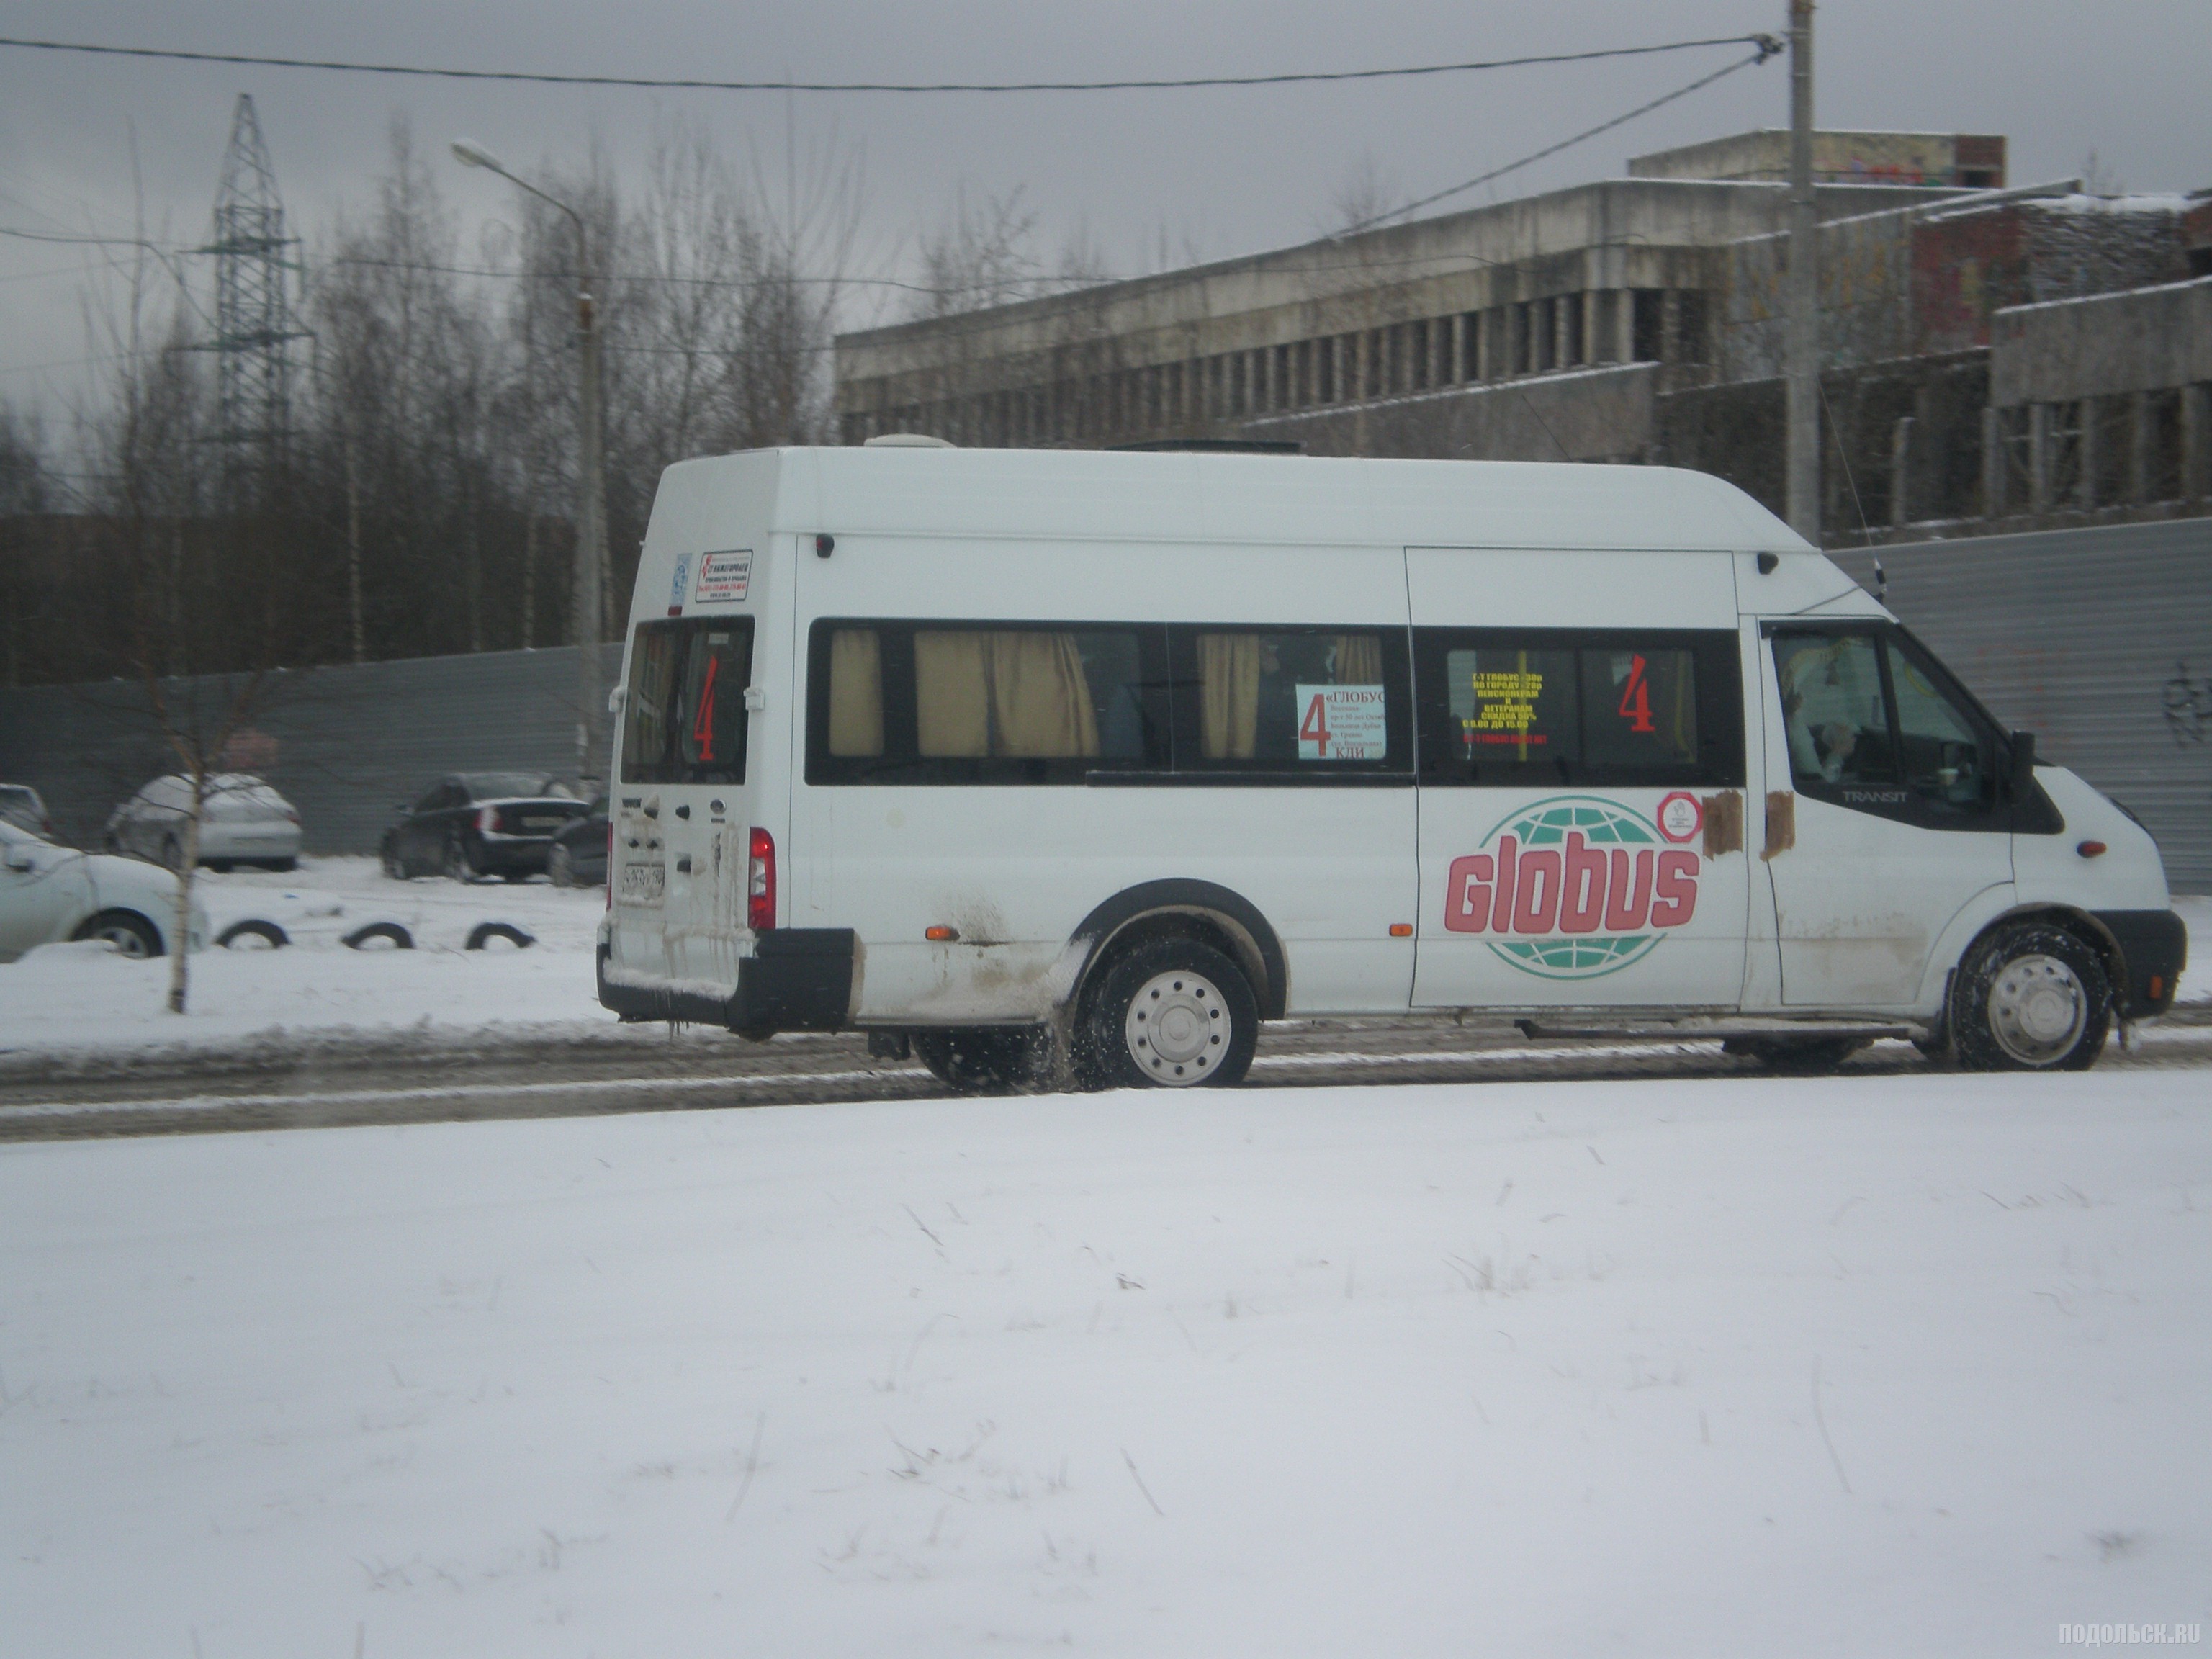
[[907, 441]]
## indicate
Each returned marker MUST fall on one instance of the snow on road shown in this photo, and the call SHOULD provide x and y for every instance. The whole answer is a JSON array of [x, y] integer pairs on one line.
[[1896, 1365], [76, 997]]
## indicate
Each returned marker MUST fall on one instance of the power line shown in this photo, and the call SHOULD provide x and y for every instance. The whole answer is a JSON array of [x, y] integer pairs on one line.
[[1767, 44], [1768, 48]]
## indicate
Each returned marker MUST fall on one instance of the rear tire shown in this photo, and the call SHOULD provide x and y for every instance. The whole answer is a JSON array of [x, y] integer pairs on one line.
[[394, 866], [456, 865], [282, 866], [2031, 997], [560, 868], [986, 1060], [1171, 1013], [130, 933]]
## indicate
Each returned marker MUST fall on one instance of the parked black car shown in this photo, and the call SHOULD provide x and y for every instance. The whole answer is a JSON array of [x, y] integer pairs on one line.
[[579, 858], [480, 823]]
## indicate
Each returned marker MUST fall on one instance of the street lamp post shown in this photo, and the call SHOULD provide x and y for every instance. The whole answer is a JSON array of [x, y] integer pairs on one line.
[[590, 559]]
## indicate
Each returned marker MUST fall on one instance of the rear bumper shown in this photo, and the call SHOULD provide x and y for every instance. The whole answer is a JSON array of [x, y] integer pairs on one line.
[[2153, 950], [798, 979]]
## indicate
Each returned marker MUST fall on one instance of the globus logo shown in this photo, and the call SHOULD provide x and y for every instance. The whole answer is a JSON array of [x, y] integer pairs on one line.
[[1574, 887]]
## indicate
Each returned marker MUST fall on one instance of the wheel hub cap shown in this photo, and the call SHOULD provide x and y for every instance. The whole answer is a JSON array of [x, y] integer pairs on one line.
[[2038, 1009], [1177, 1028]]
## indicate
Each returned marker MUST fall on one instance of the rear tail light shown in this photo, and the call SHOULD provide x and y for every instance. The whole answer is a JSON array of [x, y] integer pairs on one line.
[[487, 821], [760, 883]]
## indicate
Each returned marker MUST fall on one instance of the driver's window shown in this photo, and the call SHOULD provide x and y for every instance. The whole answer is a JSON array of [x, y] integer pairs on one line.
[[433, 799], [1944, 759], [1834, 709]]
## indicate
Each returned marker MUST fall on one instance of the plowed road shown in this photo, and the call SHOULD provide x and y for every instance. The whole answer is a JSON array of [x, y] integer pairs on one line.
[[645, 1070]]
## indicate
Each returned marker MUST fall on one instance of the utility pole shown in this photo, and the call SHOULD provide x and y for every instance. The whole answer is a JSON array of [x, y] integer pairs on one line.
[[591, 563], [1801, 348]]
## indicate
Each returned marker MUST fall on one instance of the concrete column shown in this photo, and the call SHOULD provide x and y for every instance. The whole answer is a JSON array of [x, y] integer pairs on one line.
[[2196, 441], [2140, 432], [2087, 452], [1624, 324], [2039, 457], [1900, 466], [1456, 336], [1670, 326]]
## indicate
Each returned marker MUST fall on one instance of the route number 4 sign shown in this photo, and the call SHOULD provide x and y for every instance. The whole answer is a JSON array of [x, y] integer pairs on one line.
[[1341, 722]]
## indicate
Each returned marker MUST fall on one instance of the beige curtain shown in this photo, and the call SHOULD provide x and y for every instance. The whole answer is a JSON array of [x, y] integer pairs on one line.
[[856, 692], [1020, 694], [1229, 694], [952, 692], [1358, 659], [1040, 697]]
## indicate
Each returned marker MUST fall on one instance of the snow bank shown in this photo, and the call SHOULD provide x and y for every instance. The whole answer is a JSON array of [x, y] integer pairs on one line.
[[1903, 1365]]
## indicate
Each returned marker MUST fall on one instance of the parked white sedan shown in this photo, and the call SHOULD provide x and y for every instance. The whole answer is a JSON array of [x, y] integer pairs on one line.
[[246, 822], [50, 893]]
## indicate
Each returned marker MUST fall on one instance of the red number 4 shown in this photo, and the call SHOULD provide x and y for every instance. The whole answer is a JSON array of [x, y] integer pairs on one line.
[[1315, 727], [1636, 698]]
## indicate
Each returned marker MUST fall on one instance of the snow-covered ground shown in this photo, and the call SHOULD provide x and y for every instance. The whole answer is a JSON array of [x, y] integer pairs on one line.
[[75, 997], [80, 997], [1895, 1366]]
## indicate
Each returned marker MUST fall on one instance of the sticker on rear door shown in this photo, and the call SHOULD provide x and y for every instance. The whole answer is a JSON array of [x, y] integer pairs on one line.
[[1341, 722], [723, 577]]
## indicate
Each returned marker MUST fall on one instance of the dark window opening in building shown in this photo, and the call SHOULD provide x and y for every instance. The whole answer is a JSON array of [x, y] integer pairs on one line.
[[1470, 346], [1418, 333], [1695, 347], [1977, 179], [1325, 371], [1547, 344], [1646, 306], [1301, 375], [1570, 317], [2200, 262]]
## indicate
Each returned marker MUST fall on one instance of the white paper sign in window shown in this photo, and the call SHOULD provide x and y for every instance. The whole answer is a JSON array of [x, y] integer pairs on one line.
[[723, 577], [1341, 722]]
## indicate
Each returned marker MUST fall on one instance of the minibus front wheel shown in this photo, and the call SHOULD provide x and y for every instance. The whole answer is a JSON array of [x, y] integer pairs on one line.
[[2031, 996], [1171, 1013]]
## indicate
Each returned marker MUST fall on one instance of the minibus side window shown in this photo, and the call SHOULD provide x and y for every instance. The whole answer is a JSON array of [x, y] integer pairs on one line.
[[1537, 709], [1310, 703], [1874, 724], [920, 702], [684, 713]]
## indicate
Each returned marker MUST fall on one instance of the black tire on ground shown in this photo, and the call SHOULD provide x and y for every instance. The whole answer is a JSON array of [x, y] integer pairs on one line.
[[484, 932], [267, 931], [986, 1060], [130, 933], [220, 866], [560, 868], [2031, 997], [1168, 1014], [1797, 1056], [390, 933]]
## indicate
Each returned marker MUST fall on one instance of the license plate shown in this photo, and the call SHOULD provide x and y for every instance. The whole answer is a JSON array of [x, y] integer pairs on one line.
[[644, 883], [543, 824]]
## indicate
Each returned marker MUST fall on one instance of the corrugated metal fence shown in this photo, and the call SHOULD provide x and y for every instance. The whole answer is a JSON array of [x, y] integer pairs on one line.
[[2098, 640], [343, 745]]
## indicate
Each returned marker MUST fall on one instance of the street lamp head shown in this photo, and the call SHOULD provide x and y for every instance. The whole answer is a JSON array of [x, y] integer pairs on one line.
[[470, 154]]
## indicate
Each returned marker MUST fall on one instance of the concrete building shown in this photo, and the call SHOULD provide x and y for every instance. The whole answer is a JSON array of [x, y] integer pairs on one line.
[[1640, 320], [1963, 161]]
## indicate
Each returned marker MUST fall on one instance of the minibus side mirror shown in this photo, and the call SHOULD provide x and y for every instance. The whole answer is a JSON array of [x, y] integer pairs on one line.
[[2020, 776]]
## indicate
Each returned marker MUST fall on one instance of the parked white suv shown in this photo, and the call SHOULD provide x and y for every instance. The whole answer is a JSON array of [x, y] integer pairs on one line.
[[246, 822], [49, 894]]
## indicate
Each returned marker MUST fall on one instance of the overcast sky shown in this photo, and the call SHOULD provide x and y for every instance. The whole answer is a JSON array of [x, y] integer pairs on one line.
[[83, 141]]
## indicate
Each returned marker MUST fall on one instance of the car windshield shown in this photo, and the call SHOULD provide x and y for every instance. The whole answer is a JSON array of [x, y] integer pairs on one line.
[[510, 786]]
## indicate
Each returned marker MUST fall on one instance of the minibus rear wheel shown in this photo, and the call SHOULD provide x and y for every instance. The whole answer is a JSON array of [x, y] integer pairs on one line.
[[2031, 997], [1172, 1013]]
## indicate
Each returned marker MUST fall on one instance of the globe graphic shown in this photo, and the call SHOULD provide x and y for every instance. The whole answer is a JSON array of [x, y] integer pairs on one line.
[[1602, 824]]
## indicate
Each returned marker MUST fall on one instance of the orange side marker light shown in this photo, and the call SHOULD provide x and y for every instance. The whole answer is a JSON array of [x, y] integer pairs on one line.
[[1402, 930], [941, 934]]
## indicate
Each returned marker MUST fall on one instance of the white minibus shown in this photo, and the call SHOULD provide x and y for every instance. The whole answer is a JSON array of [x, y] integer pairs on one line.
[[1082, 765]]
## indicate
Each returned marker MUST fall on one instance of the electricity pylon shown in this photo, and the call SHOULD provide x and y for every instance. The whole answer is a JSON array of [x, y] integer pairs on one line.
[[253, 309]]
